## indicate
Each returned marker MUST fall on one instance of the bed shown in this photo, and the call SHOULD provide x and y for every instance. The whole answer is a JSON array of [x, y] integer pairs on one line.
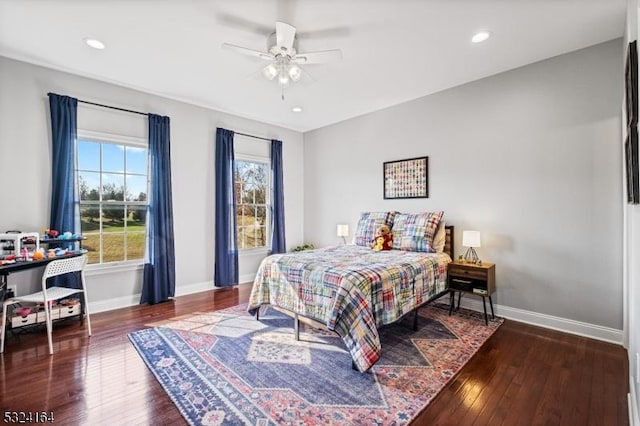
[[352, 289]]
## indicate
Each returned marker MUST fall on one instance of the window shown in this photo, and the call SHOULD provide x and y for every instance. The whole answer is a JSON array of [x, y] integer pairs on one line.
[[113, 185], [251, 177]]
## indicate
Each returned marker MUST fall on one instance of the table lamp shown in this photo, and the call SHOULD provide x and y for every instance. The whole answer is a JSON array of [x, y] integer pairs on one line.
[[343, 231], [471, 239]]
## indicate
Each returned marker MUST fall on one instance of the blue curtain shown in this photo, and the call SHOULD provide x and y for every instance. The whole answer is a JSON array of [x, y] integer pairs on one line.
[[64, 118], [278, 243], [64, 215], [226, 250], [159, 279]]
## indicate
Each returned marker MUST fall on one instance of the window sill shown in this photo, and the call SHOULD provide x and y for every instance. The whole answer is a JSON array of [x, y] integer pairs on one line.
[[115, 267], [262, 251]]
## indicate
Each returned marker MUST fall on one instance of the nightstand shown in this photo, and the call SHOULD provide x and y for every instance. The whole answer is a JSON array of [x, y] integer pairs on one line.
[[478, 279]]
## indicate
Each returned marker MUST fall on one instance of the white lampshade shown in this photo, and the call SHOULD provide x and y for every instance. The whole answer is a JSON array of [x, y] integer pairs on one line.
[[471, 238], [295, 72], [343, 230], [270, 71]]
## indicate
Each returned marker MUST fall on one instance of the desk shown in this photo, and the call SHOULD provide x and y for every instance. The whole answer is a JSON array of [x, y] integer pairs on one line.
[[9, 268], [71, 263]]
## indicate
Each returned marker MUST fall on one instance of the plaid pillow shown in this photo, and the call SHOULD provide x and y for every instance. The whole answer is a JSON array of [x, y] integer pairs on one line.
[[369, 223], [415, 232]]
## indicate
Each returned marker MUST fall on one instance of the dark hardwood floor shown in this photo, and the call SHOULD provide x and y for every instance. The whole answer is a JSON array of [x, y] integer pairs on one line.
[[522, 375]]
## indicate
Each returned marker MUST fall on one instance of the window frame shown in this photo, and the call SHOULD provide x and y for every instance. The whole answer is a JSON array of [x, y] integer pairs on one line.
[[266, 161], [111, 138]]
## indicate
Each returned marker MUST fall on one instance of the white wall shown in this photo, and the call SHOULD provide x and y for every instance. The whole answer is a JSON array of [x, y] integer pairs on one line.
[[632, 255], [530, 157], [25, 166]]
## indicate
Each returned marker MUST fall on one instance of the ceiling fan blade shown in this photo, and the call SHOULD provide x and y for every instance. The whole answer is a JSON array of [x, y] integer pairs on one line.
[[319, 57], [285, 35], [248, 52], [332, 32], [244, 24]]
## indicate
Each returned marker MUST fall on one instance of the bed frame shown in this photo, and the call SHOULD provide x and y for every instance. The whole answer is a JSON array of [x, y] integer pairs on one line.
[[448, 248]]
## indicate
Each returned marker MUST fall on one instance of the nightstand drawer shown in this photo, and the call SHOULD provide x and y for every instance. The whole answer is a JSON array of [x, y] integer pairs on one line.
[[471, 285], [461, 271]]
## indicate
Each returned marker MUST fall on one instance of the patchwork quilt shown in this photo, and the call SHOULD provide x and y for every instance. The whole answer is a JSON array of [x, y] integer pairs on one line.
[[352, 289]]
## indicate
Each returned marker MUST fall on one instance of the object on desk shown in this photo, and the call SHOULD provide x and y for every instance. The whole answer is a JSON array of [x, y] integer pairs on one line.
[[53, 293], [12, 242], [38, 254], [22, 312]]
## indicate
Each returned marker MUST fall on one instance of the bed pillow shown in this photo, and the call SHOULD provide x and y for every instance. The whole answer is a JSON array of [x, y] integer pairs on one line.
[[368, 223], [415, 232], [439, 239]]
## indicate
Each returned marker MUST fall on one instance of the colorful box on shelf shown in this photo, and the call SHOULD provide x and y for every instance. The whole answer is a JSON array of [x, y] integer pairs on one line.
[[33, 315], [12, 243], [69, 310], [21, 321], [42, 315]]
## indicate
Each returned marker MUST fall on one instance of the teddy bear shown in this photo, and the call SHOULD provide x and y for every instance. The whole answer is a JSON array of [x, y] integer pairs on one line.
[[383, 239]]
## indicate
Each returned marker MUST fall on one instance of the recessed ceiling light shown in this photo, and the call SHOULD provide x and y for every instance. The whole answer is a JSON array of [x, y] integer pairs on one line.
[[296, 109], [480, 36], [96, 44]]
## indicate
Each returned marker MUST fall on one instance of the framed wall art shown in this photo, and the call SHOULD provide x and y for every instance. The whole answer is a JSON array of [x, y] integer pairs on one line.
[[631, 160], [406, 178], [631, 143], [631, 84]]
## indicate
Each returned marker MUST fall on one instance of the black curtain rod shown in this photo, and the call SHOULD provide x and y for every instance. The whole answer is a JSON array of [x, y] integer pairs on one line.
[[112, 107], [108, 106], [252, 136]]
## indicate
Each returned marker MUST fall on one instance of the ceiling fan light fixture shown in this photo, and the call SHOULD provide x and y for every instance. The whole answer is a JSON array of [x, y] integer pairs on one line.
[[480, 36], [270, 71], [295, 72], [283, 78], [284, 61]]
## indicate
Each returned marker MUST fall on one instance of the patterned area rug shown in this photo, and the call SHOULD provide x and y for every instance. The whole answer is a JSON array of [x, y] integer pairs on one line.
[[225, 367]]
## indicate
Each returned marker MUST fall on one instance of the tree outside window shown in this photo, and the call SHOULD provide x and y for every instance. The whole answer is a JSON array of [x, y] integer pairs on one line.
[[252, 208], [113, 185]]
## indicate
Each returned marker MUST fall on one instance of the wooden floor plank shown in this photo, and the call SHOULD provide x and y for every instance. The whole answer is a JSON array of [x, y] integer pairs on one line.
[[522, 375]]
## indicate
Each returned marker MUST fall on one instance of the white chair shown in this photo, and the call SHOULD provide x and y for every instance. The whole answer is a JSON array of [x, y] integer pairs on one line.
[[53, 268]]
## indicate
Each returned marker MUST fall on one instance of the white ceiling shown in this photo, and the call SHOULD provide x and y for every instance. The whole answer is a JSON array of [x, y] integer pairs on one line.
[[394, 51]]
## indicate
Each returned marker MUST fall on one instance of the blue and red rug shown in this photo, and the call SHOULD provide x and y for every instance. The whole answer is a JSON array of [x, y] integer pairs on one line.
[[225, 367]]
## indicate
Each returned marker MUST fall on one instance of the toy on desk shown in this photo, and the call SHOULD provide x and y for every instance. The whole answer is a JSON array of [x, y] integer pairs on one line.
[[51, 233], [38, 254]]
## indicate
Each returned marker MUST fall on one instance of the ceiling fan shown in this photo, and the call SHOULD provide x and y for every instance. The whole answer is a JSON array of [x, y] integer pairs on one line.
[[284, 59]]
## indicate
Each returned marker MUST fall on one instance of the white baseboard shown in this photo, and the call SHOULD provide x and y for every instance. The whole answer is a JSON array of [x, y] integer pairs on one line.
[[247, 278], [566, 325], [547, 321], [134, 299], [632, 403], [115, 303], [195, 288]]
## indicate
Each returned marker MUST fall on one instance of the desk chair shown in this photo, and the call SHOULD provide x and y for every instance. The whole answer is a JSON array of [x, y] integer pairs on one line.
[[53, 268]]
